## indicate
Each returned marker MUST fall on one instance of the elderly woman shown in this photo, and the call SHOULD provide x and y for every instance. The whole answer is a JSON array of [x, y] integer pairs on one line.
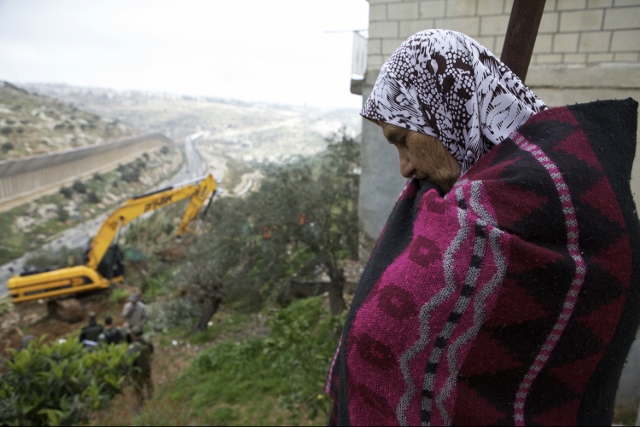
[[504, 287]]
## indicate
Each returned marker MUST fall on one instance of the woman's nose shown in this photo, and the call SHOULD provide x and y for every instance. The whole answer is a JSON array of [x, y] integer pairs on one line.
[[406, 168]]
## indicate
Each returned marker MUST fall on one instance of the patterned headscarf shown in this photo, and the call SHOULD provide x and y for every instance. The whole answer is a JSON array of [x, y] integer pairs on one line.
[[445, 84]]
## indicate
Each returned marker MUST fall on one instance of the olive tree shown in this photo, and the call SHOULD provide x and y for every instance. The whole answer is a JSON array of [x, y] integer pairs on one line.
[[308, 210], [302, 221]]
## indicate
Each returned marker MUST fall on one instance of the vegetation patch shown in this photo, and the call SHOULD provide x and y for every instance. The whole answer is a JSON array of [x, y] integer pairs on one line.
[[35, 124], [60, 383], [31, 225], [278, 379]]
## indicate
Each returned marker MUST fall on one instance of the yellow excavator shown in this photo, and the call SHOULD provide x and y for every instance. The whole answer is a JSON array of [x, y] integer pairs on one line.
[[103, 259]]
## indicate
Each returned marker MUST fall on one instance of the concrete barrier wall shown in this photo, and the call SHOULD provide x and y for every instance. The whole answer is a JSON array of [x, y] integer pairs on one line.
[[22, 178]]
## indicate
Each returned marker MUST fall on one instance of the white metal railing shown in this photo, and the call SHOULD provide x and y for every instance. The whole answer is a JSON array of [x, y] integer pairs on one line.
[[359, 59]]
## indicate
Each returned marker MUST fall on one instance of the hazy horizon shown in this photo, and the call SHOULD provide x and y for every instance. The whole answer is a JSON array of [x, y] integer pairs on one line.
[[286, 52]]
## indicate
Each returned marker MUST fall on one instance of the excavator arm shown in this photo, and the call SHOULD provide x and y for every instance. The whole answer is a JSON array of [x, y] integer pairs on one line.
[[198, 190], [83, 278]]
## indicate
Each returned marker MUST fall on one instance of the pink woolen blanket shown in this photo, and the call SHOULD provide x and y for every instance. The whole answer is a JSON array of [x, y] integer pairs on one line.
[[514, 298]]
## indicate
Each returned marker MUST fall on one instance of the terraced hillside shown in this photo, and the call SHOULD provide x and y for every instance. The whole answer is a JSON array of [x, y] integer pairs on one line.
[[255, 130], [33, 124]]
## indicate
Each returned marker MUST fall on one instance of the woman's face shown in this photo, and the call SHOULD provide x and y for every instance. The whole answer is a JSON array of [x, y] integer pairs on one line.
[[423, 156]]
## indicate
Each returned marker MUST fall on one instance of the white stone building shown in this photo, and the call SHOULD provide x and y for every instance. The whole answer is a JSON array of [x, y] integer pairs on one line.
[[585, 50]]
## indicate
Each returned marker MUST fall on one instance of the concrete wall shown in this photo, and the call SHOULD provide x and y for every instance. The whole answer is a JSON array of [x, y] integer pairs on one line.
[[21, 179]]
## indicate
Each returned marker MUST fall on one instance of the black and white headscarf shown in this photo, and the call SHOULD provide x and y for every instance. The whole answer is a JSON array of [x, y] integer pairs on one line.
[[445, 84]]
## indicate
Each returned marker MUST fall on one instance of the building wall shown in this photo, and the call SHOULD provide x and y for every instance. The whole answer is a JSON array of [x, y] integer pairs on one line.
[[585, 50], [571, 31]]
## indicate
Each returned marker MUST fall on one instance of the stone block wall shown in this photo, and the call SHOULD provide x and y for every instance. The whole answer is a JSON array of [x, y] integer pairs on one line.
[[571, 32]]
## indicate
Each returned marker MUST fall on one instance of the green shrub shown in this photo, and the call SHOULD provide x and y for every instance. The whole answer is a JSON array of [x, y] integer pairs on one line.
[[79, 187], [63, 215], [93, 197], [291, 362], [118, 295], [61, 383], [301, 343], [131, 175], [67, 192], [140, 164], [5, 304], [7, 146]]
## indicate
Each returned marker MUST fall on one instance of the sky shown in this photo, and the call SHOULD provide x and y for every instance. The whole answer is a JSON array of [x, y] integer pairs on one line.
[[276, 51]]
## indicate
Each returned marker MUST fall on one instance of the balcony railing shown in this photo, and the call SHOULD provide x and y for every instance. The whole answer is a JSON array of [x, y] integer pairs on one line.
[[358, 62]]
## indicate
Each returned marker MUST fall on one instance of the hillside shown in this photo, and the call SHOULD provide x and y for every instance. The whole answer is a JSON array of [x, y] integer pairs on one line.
[[33, 124], [256, 130], [243, 364]]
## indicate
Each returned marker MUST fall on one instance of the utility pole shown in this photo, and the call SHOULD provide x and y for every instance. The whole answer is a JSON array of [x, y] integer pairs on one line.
[[521, 35]]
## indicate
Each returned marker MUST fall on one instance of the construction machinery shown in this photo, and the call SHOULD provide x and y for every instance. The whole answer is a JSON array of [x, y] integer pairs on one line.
[[103, 259]]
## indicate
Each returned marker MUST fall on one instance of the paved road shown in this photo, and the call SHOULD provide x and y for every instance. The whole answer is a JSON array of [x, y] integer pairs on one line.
[[80, 235]]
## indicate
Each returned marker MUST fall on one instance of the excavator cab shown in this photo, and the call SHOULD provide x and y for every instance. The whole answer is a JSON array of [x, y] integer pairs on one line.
[[112, 264]]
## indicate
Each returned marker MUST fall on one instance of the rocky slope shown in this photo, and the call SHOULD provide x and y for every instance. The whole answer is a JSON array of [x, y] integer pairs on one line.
[[33, 124], [238, 129]]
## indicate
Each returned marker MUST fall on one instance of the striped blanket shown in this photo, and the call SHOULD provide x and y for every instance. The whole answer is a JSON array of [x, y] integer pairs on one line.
[[512, 299]]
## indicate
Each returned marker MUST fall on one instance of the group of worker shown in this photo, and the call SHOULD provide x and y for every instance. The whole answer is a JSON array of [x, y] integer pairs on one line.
[[134, 312]]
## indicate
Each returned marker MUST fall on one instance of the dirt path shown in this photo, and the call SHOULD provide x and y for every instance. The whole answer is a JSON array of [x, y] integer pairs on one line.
[[168, 362]]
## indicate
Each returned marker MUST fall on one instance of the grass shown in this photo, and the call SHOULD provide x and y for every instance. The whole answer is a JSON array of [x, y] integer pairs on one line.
[[625, 415], [5, 304], [224, 325], [31, 133], [235, 374], [118, 296]]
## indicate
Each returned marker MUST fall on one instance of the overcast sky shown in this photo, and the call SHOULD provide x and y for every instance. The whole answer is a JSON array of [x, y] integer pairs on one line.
[[284, 51]]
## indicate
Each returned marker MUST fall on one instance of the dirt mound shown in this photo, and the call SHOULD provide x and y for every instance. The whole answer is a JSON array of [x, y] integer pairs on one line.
[[33, 318], [69, 310], [173, 253]]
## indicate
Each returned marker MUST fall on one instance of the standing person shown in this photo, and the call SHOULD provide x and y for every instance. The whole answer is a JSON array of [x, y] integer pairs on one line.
[[505, 287], [91, 331], [111, 334], [142, 351], [135, 313]]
